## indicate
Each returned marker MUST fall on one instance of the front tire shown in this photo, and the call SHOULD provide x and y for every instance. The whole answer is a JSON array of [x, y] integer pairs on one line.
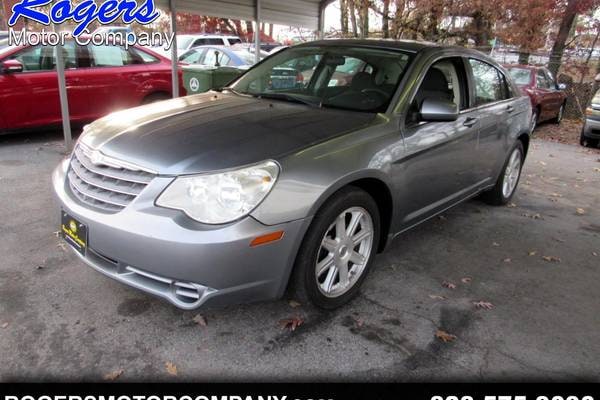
[[508, 180], [338, 250], [559, 116], [535, 116]]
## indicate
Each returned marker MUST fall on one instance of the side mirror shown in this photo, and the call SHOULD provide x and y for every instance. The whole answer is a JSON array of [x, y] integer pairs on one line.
[[561, 86], [433, 109], [11, 66]]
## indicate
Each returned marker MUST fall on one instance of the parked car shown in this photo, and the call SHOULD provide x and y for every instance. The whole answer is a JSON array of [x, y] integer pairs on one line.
[[548, 98], [218, 55], [590, 134], [100, 80], [187, 42], [235, 196]]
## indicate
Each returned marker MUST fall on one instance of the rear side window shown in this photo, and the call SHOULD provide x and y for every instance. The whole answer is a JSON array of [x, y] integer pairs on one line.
[[110, 56], [142, 56], [490, 85], [521, 76]]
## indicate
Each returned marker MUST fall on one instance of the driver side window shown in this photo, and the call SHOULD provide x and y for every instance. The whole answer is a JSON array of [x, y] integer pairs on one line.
[[445, 80]]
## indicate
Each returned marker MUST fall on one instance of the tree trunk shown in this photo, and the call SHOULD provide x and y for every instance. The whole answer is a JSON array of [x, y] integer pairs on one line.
[[563, 33], [271, 30], [364, 18], [385, 19], [344, 17], [523, 58], [352, 11]]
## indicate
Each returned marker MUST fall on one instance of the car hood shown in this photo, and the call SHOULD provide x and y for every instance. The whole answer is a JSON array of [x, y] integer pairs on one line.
[[215, 131]]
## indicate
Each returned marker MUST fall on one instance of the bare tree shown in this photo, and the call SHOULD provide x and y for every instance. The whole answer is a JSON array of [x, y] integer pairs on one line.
[[344, 16], [352, 12], [566, 23]]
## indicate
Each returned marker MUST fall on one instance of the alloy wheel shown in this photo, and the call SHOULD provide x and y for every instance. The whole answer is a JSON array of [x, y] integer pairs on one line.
[[511, 173], [344, 252]]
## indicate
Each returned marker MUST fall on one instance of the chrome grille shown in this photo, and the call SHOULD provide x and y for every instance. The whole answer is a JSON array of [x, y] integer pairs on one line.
[[107, 187]]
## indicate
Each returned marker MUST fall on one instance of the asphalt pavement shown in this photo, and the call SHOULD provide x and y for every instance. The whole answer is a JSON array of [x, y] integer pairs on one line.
[[535, 263]]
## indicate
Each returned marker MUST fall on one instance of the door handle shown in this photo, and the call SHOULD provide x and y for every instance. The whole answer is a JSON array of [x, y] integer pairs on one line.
[[470, 122], [510, 109]]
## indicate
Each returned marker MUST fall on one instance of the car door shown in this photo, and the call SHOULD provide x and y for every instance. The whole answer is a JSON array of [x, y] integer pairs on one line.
[[30, 98], [114, 79], [441, 155], [545, 95], [490, 99], [555, 96]]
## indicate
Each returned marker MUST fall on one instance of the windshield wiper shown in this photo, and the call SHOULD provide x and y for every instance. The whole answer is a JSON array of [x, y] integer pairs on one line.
[[288, 97]]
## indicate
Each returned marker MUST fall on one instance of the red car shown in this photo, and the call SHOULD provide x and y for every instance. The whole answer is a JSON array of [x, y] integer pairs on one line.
[[100, 79], [547, 97]]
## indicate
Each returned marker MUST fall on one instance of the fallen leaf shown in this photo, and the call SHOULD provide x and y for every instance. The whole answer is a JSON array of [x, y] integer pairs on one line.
[[543, 163], [532, 216], [532, 253], [511, 205], [359, 322], [496, 244], [5, 325], [445, 336], [559, 240], [291, 323], [39, 267], [62, 246], [449, 285], [294, 304], [551, 259], [442, 218], [555, 194], [594, 254], [507, 260], [113, 375], [200, 320], [171, 368], [580, 211], [466, 279], [436, 297], [596, 169], [57, 234], [483, 305]]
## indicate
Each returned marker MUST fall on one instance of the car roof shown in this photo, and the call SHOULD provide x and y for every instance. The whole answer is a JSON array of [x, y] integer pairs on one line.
[[406, 45]]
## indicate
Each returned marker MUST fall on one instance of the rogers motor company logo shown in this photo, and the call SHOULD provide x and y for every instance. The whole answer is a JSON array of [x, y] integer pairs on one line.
[[82, 15]]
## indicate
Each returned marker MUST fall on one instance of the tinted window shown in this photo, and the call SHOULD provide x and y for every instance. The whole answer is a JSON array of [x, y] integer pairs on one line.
[[541, 80], [142, 56], [489, 83], [521, 76], [233, 41], [192, 56], [43, 58], [110, 56]]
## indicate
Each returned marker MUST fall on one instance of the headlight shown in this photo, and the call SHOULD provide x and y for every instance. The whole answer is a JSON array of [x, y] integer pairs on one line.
[[223, 197]]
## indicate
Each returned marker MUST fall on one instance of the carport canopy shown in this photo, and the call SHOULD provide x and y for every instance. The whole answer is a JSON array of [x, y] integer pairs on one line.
[[300, 13]]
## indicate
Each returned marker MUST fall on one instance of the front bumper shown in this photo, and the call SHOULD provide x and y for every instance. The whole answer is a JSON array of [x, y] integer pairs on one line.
[[165, 253], [591, 128]]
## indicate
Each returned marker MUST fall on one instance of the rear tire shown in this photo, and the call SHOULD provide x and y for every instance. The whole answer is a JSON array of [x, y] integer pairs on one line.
[[507, 182], [587, 142], [331, 264]]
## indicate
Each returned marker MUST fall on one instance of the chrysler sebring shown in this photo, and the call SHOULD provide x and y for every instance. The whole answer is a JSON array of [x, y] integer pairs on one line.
[[263, 188]]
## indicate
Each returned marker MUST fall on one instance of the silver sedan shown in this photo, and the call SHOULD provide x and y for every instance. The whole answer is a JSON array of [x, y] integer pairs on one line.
[[295, 176]]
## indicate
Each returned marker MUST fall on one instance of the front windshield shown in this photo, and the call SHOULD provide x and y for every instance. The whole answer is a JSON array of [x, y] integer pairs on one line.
[[521, 76], [353, 78]]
